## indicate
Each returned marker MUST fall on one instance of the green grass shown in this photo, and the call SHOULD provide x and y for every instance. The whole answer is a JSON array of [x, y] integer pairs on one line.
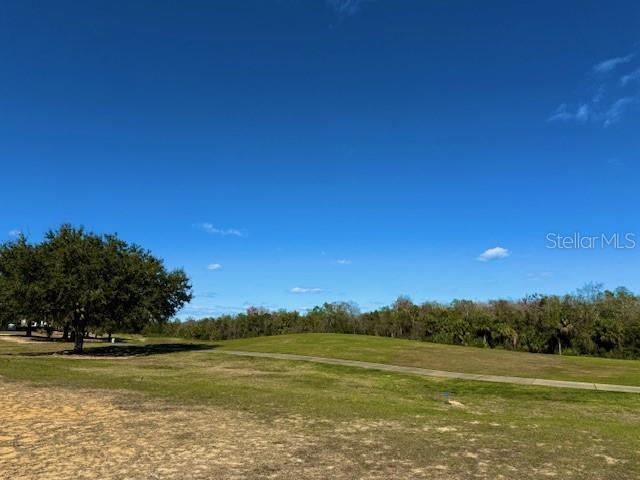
[[446, 357], [402, 352], [512, 426]]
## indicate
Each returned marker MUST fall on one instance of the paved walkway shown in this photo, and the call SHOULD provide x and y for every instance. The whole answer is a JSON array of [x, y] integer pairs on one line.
[[440, 373]]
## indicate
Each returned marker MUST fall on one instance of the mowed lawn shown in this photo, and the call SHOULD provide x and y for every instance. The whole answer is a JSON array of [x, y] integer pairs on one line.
[[446, 357], [181, 408]]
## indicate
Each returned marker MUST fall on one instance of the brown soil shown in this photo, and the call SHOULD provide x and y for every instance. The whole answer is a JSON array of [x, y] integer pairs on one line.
[[55, 433]]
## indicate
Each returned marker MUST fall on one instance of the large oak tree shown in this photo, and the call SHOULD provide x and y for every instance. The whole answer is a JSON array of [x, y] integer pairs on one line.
[[89, 282]]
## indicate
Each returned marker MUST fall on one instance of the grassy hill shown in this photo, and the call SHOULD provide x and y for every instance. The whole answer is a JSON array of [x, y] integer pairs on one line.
[[446, 357]]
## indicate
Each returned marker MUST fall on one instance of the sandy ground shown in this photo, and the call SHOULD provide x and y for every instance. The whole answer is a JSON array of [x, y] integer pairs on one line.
[[38, 337], [54, 433], [15, 339]]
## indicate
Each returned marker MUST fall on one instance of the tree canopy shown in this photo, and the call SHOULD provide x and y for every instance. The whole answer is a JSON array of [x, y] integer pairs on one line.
[[591, 322], [88, 282]]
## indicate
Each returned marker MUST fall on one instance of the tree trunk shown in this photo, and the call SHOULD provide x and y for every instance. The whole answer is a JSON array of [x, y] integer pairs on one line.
[[559, 348], [65, 332], [78, 343], [28, 328]]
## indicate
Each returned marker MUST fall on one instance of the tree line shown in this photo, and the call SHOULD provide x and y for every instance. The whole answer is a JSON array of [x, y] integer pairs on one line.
[[77, 282], [591, 321]]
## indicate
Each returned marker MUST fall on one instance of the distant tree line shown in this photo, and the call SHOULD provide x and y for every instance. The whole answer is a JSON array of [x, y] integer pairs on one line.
[[589, 322], [78, 282]]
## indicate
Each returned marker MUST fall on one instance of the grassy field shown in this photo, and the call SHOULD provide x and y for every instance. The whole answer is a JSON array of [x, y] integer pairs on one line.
[[172, 408], [446, 357]]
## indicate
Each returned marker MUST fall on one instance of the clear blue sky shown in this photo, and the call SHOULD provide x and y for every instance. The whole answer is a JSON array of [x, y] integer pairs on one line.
[[318, 151]]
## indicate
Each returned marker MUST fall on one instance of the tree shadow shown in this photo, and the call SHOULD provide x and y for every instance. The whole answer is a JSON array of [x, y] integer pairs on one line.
[[115, 351]]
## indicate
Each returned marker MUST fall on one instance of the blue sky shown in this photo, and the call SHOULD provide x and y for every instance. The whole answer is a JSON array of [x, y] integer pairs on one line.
[[287, 153]]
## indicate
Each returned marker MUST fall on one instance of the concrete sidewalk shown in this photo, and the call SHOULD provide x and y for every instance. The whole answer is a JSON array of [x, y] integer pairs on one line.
[[440, 373]]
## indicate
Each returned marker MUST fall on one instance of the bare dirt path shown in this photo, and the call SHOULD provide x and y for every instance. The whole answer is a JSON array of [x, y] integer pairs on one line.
[[439, 373]]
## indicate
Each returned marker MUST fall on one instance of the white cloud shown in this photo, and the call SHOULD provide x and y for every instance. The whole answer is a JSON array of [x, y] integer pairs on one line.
[[610, 64], [615, 162], [306, 290], [605, 100], [540, 276], [493, 254], [214, 266], [206, 295], [343, 261], [600, 94], [613, 113], [346, 7], [582, 114], [616, 111], [14, 233], [630, 77], [200, 311], [209, 228]]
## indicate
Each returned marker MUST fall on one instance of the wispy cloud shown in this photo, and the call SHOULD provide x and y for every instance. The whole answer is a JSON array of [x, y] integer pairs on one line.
[[617, 110], [343, 261], [615, 162], [14, 233], [200, 311], [609, 99], [213, 230], [214, 266], [630, 77], [610, 64], [599, 95], [562, 114], [613, 113], [205, 294], [346, 7], [540, 275], [306, 290], [493, 254]]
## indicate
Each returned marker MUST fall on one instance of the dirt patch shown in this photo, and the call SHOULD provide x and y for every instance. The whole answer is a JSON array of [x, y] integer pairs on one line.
[[15, 339], [55, 433], [72, 356], [609, 460]]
